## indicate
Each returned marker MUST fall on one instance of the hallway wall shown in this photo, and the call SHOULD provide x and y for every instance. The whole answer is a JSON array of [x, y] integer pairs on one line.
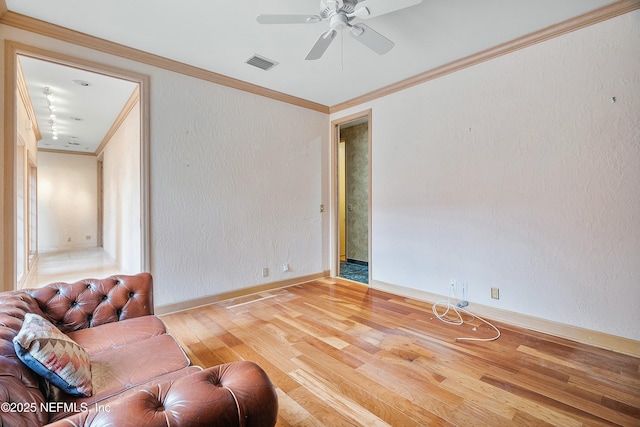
[[122, 204], [67, 195]]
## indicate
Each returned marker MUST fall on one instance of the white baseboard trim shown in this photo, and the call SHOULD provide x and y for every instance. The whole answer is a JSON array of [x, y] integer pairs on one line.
[[597, 339], [210, 299]]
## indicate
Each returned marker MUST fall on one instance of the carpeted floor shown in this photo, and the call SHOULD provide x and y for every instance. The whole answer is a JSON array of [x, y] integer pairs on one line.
[[354, 271]]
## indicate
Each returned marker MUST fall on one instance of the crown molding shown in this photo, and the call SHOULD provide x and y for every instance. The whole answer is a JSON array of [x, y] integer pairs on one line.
[[43, 28], [66, 152], [124, 113], [602, 14]]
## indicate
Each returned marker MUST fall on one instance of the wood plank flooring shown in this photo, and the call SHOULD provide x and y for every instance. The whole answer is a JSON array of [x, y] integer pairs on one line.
[[342, 354]]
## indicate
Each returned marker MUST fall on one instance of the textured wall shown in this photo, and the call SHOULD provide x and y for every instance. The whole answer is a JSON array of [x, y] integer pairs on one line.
[[357, 190], [237, 186], [519, 173], [122, 208]]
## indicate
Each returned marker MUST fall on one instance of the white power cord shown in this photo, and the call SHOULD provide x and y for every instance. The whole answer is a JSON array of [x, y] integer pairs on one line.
[[459, 321]]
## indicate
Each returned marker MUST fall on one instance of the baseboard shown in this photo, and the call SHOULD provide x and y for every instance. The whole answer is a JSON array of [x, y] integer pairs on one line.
[[597, 339], [210, 299]]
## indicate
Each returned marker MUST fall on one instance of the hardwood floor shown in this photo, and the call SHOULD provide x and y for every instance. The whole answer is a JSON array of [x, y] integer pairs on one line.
[[342, 354]]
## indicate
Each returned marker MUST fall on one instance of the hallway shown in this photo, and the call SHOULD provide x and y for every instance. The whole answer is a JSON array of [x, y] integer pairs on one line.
[[70, 266]]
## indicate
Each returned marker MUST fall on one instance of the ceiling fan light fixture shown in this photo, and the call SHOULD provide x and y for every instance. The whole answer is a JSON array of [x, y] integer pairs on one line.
[[338, 22]]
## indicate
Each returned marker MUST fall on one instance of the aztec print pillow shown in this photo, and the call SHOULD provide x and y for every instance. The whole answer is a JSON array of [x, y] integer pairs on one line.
[[54, 356]]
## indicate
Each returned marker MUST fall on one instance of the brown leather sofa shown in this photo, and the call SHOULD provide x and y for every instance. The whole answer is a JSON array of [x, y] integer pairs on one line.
[[140, 375]]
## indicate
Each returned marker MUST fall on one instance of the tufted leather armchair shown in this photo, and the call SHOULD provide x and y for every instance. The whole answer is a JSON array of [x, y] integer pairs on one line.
[[149, 380]]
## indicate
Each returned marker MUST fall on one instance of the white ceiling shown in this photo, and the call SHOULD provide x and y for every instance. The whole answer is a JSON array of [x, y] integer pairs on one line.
[[84, 114], [220, 36]]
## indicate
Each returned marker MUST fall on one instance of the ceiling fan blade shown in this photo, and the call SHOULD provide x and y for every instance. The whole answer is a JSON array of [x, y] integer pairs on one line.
[[372, 39], [321, 45], [288, 19], [372, 8]]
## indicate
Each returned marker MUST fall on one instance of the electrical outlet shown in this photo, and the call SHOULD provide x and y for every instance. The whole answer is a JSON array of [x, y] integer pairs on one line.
[[495, 293], [285, 267], [265, 272]]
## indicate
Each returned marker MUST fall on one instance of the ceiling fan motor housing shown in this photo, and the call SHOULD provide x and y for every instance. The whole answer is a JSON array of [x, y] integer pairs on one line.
[[331, 7]]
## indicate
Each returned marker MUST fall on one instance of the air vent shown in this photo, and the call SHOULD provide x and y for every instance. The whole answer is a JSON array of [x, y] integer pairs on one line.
[[261, 62]]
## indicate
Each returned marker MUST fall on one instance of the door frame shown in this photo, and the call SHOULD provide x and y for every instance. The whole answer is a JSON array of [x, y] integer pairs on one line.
[[335, 202], [12, 51]]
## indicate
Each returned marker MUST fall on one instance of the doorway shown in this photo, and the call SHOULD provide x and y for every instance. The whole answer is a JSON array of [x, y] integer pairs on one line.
[[27, 243], [352, 151]]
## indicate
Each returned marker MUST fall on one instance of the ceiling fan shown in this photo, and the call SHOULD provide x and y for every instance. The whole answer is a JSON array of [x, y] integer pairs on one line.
[[339, 14]]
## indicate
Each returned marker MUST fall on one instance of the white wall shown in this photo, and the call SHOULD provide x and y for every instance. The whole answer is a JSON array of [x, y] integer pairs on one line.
[[236, 182], [67, 195], [237, 186], [121, 195], [519, 173]]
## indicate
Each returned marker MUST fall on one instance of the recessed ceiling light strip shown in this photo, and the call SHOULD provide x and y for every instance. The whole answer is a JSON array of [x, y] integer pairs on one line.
[[48, 93]]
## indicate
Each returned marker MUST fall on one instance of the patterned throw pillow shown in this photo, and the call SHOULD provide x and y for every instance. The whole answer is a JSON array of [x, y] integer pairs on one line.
[[54, 356]]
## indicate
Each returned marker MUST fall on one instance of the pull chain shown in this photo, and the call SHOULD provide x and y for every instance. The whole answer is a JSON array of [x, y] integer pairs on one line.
[[342, 50]]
